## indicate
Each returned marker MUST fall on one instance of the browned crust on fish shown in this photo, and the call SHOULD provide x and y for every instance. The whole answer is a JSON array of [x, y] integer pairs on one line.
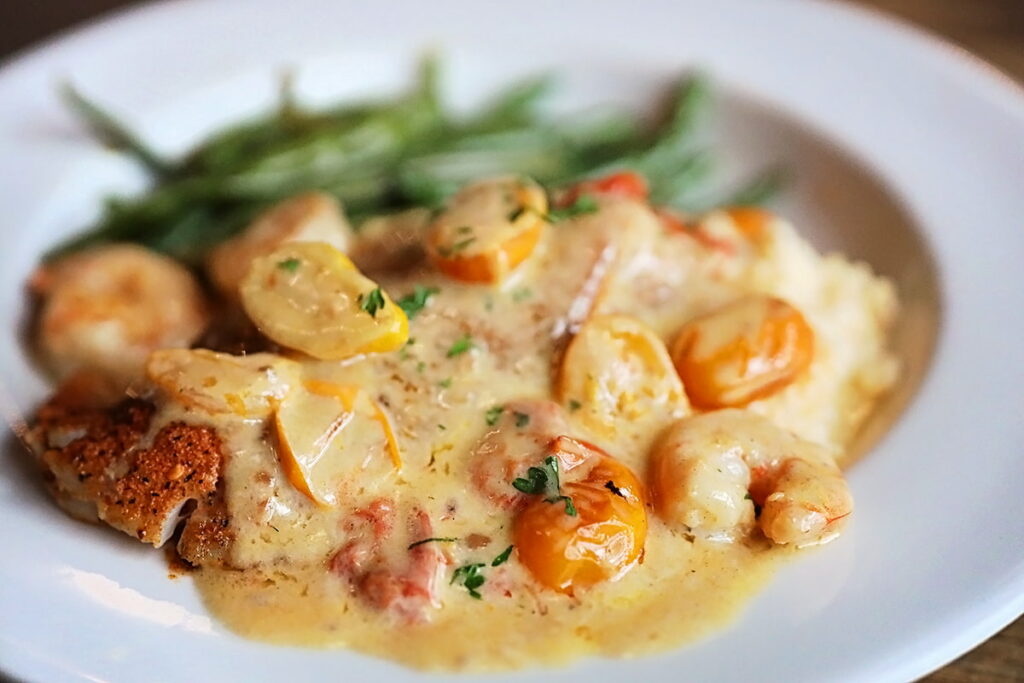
[[183, 464], [98, 464]]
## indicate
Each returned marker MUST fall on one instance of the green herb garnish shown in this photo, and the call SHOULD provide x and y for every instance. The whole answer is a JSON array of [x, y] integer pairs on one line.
[[437, 539], [522, 419], [574, 405], [502, 558], [462, 244], [445, 383], [289, 264], [544, 481], [372, 302], [493, 414], [522, 294], [583, 205], [460, 346], [469, 576], [413, 303]]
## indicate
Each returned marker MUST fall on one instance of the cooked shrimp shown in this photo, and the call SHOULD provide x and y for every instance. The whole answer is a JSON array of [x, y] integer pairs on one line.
[[107, 308], [409, 592], [518, 440], [709, 471]]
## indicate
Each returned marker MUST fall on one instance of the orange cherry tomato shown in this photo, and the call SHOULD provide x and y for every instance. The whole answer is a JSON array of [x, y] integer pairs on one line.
[[743, 351], [487, 230], [626, 184], [602, 541]]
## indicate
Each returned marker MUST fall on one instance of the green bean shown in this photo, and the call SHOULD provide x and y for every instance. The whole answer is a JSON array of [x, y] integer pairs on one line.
[[384, 156], [110, 131]]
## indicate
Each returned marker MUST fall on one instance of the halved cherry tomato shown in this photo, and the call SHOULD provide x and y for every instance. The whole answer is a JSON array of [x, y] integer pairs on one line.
[[247, 386], [307, 217], [743, 351], [487, 230], [330, 437], [308, 296], [602, 541], [616, 370]]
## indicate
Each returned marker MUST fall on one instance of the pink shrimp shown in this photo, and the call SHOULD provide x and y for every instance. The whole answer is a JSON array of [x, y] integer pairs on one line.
[[518, 440], [409, 592]]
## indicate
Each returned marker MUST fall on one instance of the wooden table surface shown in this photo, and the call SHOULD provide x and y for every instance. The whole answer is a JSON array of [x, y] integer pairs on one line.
[[993, 29]]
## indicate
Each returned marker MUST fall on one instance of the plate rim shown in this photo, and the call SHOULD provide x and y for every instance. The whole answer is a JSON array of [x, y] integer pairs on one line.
[[987, 621]]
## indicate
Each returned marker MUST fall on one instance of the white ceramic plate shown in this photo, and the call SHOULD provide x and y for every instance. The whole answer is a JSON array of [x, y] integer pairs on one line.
[[907, 153]]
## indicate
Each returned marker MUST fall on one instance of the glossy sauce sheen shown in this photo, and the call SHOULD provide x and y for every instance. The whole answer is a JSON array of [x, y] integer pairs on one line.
[[282, 591]]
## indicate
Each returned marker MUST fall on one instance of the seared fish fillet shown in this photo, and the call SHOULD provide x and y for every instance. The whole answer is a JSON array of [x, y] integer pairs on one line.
[[112, 465]]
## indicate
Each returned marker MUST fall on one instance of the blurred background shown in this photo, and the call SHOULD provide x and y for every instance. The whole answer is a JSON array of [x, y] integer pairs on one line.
[[992, 29]]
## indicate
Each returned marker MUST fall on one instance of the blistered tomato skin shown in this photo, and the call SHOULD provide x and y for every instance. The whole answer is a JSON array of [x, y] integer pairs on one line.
[[746, 350], [601, 542]]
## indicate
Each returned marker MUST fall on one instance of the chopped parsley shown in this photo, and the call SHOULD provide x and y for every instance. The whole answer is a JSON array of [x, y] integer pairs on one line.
[[462, 244], [445, 383], [544, 481], [583, 205], [459, 245], [413, 303], [436, 539], [421, 366], [493, 414], [372, 302], [522, 419], [442, 427], [517, 213], [469, 576], [574, 405], [522, 294], [460, 346], [289, 264], [503, 557]]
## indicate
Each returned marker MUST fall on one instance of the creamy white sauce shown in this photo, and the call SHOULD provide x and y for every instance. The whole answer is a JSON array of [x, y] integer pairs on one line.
[[683, 589]]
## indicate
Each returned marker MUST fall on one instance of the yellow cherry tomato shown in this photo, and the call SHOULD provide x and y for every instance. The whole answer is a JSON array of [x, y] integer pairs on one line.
[[617, 369], [308, 296], [307, 217], [744, 351], [247, 386], [332, 439]]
